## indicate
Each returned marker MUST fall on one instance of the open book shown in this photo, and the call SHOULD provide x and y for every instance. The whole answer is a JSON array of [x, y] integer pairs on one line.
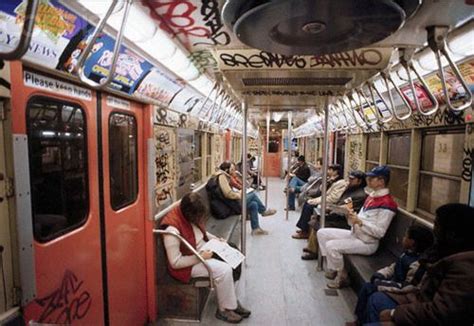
[[231, 256]]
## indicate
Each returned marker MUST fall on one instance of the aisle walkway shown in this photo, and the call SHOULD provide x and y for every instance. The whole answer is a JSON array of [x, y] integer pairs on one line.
[[279, 287]]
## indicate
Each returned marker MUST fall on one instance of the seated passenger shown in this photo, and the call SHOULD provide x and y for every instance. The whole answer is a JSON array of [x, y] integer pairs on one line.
[[188, 220], [403, 276], [335, 187], [254, 204], [355, 193], [299, 176], [368, 227], [446, 295]]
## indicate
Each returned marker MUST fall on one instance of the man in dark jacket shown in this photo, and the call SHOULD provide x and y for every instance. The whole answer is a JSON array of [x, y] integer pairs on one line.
[[446, 295], [299, 176]]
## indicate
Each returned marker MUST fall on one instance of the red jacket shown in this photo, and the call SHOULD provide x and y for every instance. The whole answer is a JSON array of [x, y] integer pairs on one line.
[[176, 219]]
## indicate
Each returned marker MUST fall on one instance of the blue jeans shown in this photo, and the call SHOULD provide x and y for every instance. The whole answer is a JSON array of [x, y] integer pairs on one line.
[[363, 298], [295, 183], [305, 217], [254, 206], [378, 302]]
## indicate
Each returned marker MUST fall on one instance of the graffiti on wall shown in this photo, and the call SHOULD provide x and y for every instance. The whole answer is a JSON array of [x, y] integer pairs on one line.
[[165, 165], [355, 154], [69, 303]]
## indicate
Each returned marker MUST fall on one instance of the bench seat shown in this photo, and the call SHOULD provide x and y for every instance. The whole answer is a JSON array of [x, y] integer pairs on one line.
[[177, 300], [361, 268]]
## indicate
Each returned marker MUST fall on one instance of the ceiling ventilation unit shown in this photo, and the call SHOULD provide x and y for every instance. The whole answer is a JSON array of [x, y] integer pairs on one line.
[[315, 27]]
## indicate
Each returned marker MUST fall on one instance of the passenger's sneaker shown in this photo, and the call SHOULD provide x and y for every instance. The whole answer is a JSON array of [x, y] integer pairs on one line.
[[228, 316], [259, 231], [245, 313], [269, 211], [330, 274], [338, 283]]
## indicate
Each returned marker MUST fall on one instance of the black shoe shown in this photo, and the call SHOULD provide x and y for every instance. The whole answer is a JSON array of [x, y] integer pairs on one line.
[[309, 256], [242, 311]]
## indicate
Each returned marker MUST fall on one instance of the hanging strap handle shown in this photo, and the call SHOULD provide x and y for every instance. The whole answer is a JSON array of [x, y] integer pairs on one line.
[[118, 42], [387, 77], [407, 63], [437, 43]]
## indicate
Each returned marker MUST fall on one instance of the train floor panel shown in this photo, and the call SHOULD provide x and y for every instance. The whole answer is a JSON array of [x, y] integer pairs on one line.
[[279, 287]]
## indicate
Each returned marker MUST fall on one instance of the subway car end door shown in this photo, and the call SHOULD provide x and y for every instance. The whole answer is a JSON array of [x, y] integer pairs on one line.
[[123, 167]]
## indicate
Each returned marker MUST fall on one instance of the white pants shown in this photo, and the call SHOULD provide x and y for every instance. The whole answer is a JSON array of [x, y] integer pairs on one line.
[[333, 243], [223, 282]]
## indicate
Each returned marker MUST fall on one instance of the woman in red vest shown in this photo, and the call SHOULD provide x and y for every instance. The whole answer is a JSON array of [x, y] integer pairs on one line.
[[188, 220]]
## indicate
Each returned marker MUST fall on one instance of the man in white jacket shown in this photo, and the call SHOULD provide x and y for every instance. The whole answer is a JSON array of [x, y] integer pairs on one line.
[[368, 227]]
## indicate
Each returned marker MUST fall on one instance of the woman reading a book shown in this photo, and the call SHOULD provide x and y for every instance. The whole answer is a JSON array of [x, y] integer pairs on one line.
[[188, 220]]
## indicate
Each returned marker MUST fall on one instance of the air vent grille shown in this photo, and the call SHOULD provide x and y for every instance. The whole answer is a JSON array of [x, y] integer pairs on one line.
[[305, 81]]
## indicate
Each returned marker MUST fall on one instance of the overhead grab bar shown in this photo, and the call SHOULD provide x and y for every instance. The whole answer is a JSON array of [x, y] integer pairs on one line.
[[382, 119], [388, 79], [407, 63], [26, 33], [340, 111], [437, 43], [351, 111], [79, 68], [191, 248], [356, 108], [211, 111], [207, 98], [332, 118], [361, 96], [220, 110], [350, 125]]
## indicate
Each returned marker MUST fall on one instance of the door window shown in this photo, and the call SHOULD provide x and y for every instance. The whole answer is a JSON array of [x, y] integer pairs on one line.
[[57, 144]]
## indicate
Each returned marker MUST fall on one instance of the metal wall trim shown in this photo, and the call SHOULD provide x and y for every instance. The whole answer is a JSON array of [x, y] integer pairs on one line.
[[24, 218]]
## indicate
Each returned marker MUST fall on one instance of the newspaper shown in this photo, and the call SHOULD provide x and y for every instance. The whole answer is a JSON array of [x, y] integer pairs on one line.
[[231, 256], [339, 210]]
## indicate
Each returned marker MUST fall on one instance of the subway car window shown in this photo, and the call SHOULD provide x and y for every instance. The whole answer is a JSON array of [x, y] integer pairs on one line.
[[57, 143], [373, 151], [398, 161], [440, 172], [123, 160]]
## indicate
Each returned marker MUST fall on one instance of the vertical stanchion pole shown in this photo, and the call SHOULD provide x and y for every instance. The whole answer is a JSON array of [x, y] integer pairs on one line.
[[244, 175], [259, 156], [289, 162], [267, 151], [325, 173]]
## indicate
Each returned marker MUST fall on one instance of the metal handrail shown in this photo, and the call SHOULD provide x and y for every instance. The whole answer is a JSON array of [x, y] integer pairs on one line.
[[214, 87], [191, 248], [371, 88], [211, 111], [79, 68], [356, 110], [340, 111], [388, 78], [407, 64], [437, 43], [361, 95], [351, 112], [26, 33], [341, 105], [332, 116]]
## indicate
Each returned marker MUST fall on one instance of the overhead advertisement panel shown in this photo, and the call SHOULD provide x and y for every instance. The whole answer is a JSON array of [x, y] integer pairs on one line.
[[56, 29]]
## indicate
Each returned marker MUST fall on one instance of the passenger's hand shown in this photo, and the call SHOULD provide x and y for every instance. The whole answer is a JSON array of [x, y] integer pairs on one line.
[[206, 254], [385, 315]]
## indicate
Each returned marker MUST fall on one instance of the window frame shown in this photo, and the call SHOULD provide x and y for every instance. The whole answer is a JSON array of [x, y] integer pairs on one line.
[[61, 103], [399, 167], [131, 202], [376, 163], [418, 210]]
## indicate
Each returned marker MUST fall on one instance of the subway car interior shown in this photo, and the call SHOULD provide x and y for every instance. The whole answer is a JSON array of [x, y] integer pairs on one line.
[[263, 162]]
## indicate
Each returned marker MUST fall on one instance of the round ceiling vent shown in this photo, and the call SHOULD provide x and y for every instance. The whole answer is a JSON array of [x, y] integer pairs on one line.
[[307, 27]]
